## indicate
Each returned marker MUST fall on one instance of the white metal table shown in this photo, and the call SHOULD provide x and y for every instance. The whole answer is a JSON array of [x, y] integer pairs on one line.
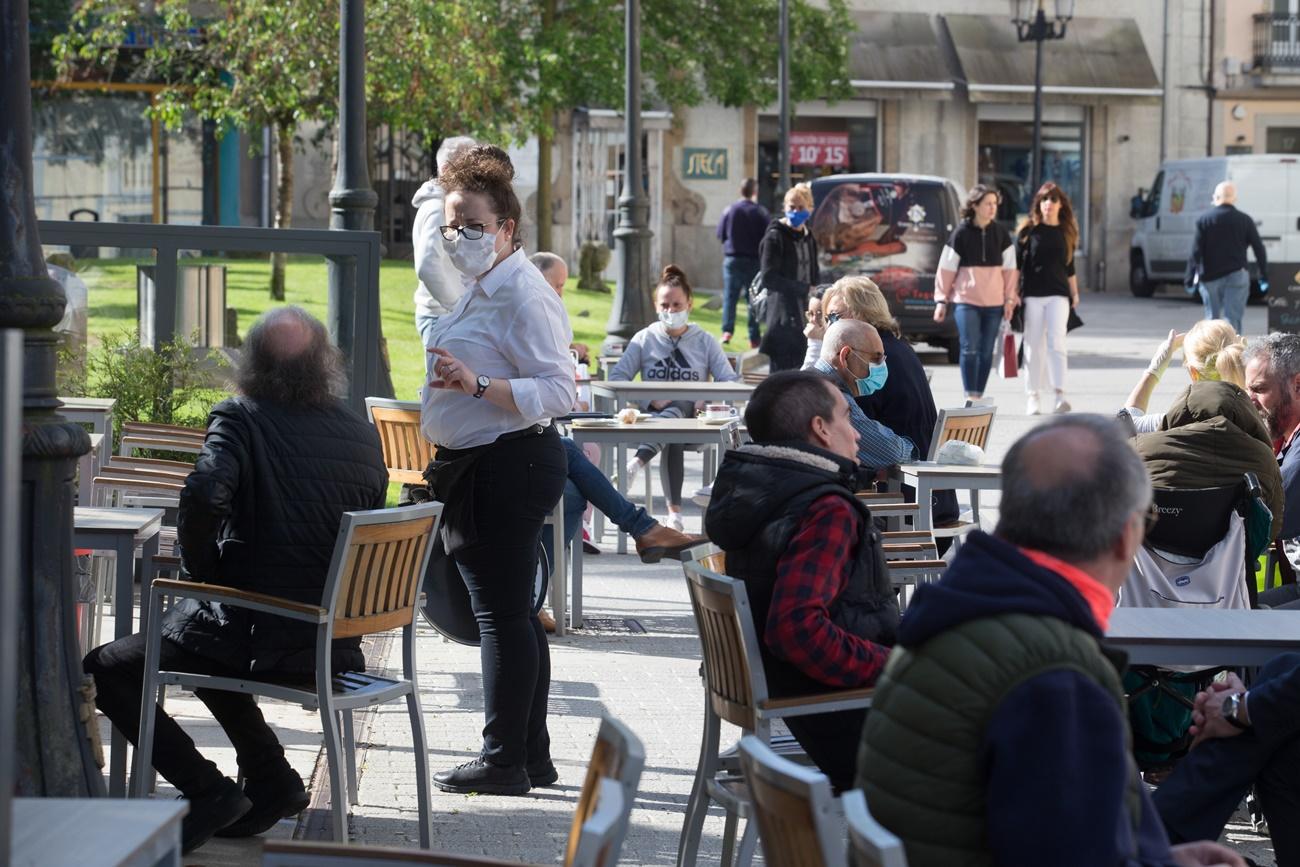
[[120, 531], [102, 831], [607, 395], [610, 432], [1203, 637], [928, 477]]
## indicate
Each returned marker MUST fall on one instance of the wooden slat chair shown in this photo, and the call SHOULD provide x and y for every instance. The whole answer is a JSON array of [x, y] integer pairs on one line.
[[596, 835], [406, 452], [969, 425], [736, 685], [794, 808], [870, 845], [372, 586]]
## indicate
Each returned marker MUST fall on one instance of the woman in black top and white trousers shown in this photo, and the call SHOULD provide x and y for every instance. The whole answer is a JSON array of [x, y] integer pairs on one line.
[[499, 372], [1045, 249]]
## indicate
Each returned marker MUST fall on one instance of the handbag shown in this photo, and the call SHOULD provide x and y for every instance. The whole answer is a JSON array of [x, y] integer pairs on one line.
[[1073, 321], [1006, 348]]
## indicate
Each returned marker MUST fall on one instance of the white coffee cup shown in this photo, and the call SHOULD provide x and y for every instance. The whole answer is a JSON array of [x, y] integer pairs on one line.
[[719, 411]]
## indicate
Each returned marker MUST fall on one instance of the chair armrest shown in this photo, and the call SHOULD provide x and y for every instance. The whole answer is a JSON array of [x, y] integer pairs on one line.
[[822, 702], [240, 598]]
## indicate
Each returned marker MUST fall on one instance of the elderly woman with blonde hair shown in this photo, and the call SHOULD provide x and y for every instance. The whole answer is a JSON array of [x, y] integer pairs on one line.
[[1212, 350]]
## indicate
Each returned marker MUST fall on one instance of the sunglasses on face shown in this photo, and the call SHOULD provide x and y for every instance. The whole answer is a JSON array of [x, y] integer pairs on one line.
[[832, 318]]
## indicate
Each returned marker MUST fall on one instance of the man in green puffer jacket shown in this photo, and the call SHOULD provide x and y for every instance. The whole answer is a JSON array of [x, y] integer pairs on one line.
[[997, 734], [1212, 434]]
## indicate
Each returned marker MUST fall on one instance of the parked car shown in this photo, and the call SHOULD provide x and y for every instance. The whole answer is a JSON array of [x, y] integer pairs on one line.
[[892, 228], [1182, 191]]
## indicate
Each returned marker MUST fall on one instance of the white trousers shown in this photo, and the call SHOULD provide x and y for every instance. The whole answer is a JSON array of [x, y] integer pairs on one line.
[[1045, 320]]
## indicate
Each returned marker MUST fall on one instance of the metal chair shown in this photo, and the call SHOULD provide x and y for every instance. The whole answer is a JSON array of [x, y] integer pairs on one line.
[[372, 586], [794, 807], [736, 686], [870, 845], [596, 836]]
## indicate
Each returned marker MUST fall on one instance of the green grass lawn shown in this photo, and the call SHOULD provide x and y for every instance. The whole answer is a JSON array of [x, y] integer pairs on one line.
[[113, 305]]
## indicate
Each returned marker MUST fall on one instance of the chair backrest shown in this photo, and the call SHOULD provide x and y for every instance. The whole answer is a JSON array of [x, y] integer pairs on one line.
[[602, 833], [406, 452], [733, 669], [870, 845], [708, 555], [379, 560], [794, 808], [619, 756], [968, 424], [1193, 520]]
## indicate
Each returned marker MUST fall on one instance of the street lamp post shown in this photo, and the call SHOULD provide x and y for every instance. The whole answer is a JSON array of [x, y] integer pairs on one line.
[[1032, 25], [631, 309], [53, 756]]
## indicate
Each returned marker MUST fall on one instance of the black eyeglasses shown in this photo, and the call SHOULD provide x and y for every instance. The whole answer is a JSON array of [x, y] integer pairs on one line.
[[471, 232]]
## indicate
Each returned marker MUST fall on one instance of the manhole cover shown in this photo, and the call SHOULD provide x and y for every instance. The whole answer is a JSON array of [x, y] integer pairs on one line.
[[612, 624]]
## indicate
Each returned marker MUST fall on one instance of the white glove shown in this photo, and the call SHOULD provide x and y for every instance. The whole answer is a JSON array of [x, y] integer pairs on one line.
[[1164, 352]]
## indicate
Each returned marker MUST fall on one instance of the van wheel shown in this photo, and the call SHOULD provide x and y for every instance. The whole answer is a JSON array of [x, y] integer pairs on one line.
[[953, 348], [1139, 283]]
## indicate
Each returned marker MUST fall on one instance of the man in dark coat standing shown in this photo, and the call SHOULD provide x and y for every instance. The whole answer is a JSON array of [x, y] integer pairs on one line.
[[1218, 260], [280, 465]]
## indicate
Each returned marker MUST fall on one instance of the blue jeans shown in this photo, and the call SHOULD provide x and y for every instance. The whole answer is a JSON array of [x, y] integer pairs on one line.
[[977, 328], [1225, 297], [737, 273], [586, 484]]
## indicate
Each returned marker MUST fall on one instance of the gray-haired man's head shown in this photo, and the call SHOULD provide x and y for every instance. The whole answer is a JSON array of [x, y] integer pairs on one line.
[[450, 147], [1273, 381], [554, 270], [850, 347], [288, 358], [1075, 488]]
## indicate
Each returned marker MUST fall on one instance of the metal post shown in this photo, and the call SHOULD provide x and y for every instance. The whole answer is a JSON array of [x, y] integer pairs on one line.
[[1036, 172], [11, 412], [52, 751], [632, 308], [783, 96], [353, 313]]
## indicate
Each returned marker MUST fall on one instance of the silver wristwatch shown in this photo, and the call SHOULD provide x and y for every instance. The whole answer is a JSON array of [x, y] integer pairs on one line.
[[1232, 709]]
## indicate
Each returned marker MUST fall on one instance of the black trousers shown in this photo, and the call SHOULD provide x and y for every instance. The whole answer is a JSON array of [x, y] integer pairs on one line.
[[516, 485], [831, 740], [1207, 785], [118, 669]]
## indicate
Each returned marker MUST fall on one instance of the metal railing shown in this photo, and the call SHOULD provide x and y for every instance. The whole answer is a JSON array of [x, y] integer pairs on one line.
[[1277, 42], [353, 317]]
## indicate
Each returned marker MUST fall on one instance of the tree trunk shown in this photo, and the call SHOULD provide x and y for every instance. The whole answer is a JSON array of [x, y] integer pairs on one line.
[[283, 201]]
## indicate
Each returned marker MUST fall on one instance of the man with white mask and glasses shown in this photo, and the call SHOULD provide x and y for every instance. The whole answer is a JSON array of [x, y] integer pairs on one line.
[[439, 285]]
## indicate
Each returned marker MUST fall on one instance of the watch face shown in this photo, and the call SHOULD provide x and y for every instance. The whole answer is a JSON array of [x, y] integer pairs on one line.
[[483, 381]]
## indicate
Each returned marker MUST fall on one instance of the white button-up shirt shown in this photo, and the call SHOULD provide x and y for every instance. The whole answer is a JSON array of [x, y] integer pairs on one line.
[[508, 325]]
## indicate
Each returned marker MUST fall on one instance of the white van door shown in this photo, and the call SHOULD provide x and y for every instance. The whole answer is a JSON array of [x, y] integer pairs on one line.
[[1189, 189], [1264, 189]]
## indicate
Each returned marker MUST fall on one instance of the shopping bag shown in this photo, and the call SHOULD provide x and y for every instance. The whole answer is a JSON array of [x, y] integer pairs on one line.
[[1006, 347]]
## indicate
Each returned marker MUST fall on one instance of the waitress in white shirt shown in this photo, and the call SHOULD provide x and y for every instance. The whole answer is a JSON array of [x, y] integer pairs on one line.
[[499, 371]]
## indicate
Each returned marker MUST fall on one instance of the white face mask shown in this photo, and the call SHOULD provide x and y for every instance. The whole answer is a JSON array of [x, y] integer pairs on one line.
[[674, 319], [471, 258]]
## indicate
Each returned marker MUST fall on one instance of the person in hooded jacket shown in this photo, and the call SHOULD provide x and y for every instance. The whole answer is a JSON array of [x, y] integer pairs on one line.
[[280, 465], [788, 266], [1212, 434], [784, 511], [440, 285], [1000, 698]]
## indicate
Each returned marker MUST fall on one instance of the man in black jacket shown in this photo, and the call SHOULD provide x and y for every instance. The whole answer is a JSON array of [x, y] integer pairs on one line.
[[1219, 257], [280, 465], [784, 511]]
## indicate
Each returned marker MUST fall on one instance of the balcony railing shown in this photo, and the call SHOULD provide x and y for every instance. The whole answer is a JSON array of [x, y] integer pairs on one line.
[[1277, 43]]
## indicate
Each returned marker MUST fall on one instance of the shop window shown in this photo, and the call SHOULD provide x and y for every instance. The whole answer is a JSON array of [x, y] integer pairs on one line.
[[819, 146], [1283, 140], [1004, 148]]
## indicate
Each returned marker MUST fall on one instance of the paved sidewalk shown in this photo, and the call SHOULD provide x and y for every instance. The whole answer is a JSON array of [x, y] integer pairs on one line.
[[649, 680]]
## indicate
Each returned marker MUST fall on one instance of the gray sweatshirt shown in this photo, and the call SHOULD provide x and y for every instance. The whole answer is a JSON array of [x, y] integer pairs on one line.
[[440, 285], [694, 357]]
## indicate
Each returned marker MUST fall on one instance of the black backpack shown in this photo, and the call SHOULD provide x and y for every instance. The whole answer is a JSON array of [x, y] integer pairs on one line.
[[757, 299]]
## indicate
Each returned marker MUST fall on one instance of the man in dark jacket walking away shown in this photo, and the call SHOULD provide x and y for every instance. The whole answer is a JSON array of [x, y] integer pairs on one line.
[[740, 230], [280, 465], [1000, 693], [784, 511], [1218, 258]]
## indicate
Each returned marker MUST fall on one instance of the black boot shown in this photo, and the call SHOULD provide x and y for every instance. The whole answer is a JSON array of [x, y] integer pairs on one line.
[[274, 797], [212, 809]]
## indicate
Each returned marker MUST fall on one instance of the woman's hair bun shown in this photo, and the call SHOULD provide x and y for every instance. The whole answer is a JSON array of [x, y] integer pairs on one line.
[[672, 272], [477, 169]]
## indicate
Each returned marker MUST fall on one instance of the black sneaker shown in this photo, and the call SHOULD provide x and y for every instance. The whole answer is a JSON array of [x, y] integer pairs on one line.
[[211, 810], [542, 773], [274, 797], [482, 777]]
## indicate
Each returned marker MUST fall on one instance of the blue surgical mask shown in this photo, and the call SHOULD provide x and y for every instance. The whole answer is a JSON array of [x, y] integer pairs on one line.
[[874, 380], [832, 318], [797, 217]]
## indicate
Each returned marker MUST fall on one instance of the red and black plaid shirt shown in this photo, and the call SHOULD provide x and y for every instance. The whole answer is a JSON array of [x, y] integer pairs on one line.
[[809, 577]]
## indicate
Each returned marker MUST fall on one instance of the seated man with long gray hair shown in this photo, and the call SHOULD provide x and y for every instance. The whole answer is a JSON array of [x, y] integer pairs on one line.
[[281, 463]]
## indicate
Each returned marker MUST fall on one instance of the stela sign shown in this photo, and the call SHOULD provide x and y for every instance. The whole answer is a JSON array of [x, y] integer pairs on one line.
[[819, 148]]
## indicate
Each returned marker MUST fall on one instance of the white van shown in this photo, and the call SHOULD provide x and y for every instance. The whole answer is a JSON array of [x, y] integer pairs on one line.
[[1268, 189]]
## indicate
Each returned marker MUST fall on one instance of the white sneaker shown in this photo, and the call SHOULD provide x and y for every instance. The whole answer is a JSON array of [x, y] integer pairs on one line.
[[634, 468], [1032, 407], [673, 520], [979, 401], [1062, 405]]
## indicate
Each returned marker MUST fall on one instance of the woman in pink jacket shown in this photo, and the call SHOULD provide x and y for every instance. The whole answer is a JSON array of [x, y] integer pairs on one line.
[[977, 279]]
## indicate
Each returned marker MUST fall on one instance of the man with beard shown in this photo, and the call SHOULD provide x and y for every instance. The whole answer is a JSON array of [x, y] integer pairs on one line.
[[1273, 383]]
